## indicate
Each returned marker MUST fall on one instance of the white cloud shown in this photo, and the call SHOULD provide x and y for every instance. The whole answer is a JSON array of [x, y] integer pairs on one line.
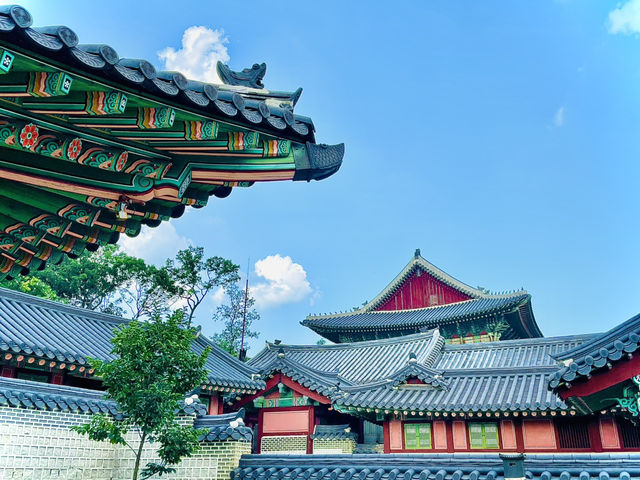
[[626, 18], [558, 118], [155, 245], [286, 282], [201, 49]]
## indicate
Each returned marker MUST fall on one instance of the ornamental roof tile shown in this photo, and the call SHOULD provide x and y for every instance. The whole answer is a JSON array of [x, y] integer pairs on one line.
[[435, 466], [53, 331], [606, 348], [236, 103]]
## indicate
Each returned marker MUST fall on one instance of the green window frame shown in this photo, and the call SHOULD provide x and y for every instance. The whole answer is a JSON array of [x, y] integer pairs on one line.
[[417, 436], [484, 435]]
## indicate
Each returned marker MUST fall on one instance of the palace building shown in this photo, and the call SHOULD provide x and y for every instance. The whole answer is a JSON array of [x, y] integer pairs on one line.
[[429, 396], [422, 297], [432, 365]]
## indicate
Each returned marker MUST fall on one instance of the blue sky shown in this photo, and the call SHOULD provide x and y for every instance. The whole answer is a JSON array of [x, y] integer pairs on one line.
[[502, 138]]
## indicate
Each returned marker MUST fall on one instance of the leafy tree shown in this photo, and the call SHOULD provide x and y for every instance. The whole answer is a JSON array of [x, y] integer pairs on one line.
[[92, 279], [231, 315], [32, 285], [153, 371], [191, 276], [147, 291]]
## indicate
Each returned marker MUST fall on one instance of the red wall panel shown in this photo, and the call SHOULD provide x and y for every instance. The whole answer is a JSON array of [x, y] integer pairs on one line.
[[422, 291]]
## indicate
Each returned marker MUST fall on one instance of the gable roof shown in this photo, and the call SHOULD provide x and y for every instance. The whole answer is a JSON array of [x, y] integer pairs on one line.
[[369, 319], [53, 331], [618, 343], [416, 263]]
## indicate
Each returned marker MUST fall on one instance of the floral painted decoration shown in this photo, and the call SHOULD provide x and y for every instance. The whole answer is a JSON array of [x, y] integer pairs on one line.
[[29, 135]]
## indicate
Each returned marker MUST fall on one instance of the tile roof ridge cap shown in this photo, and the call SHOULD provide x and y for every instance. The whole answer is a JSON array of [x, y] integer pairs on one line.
[[334, 346], [518, 341], [55, 305], [499, 371]]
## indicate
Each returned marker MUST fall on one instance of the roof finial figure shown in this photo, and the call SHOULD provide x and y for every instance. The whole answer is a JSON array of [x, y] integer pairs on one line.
[[417, 253], [281, 352], [412, 358]]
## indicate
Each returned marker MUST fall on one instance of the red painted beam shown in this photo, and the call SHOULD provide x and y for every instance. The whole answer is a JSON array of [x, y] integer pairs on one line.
[[621, 371]]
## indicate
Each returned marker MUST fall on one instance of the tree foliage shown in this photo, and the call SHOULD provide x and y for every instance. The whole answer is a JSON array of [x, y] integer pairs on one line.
[[192, 276], [231, 315], [153, 371]]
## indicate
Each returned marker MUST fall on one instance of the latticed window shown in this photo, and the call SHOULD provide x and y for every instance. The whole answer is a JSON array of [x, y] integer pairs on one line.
[[573, 433], [630, 433], [483, 435], [417, 436]]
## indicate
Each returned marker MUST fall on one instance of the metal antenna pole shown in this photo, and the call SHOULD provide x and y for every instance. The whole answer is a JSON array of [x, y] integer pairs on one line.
[[242, 353]]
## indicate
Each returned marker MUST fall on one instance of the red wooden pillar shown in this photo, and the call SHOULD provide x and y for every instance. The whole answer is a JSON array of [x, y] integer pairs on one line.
[[385, 437], [57, 378], [594, 434], [8, 372], [311, 427], [519, 435], [449, 426]]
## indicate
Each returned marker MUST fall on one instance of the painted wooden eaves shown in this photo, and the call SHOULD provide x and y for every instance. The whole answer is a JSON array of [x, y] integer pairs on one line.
[[93, 145]]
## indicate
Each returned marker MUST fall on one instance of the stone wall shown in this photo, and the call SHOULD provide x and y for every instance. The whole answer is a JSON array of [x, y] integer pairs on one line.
[[39, 445], [337, 445], [284, 444]]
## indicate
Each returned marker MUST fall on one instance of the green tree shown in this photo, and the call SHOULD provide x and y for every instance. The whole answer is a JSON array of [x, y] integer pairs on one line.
[[153, 371], [91, 280], [148, 291], [231, 315], [30, 285], [191, 276]]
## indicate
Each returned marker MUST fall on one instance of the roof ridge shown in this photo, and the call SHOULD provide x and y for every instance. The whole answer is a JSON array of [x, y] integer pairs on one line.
[[336, 346], [55, 305], [418, 261], [518, 341]]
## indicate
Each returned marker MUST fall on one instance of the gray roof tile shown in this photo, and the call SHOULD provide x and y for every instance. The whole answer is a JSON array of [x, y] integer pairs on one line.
[[34, 326], [508, 375], [435, 467], [609, 347]]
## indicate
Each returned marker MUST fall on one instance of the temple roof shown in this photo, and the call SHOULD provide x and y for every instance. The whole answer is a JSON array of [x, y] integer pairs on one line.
[[441, 466], [453, 302], [95, 145], [617, 344], [53, 332], [429, 317], [503, 376], [359, 362]]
